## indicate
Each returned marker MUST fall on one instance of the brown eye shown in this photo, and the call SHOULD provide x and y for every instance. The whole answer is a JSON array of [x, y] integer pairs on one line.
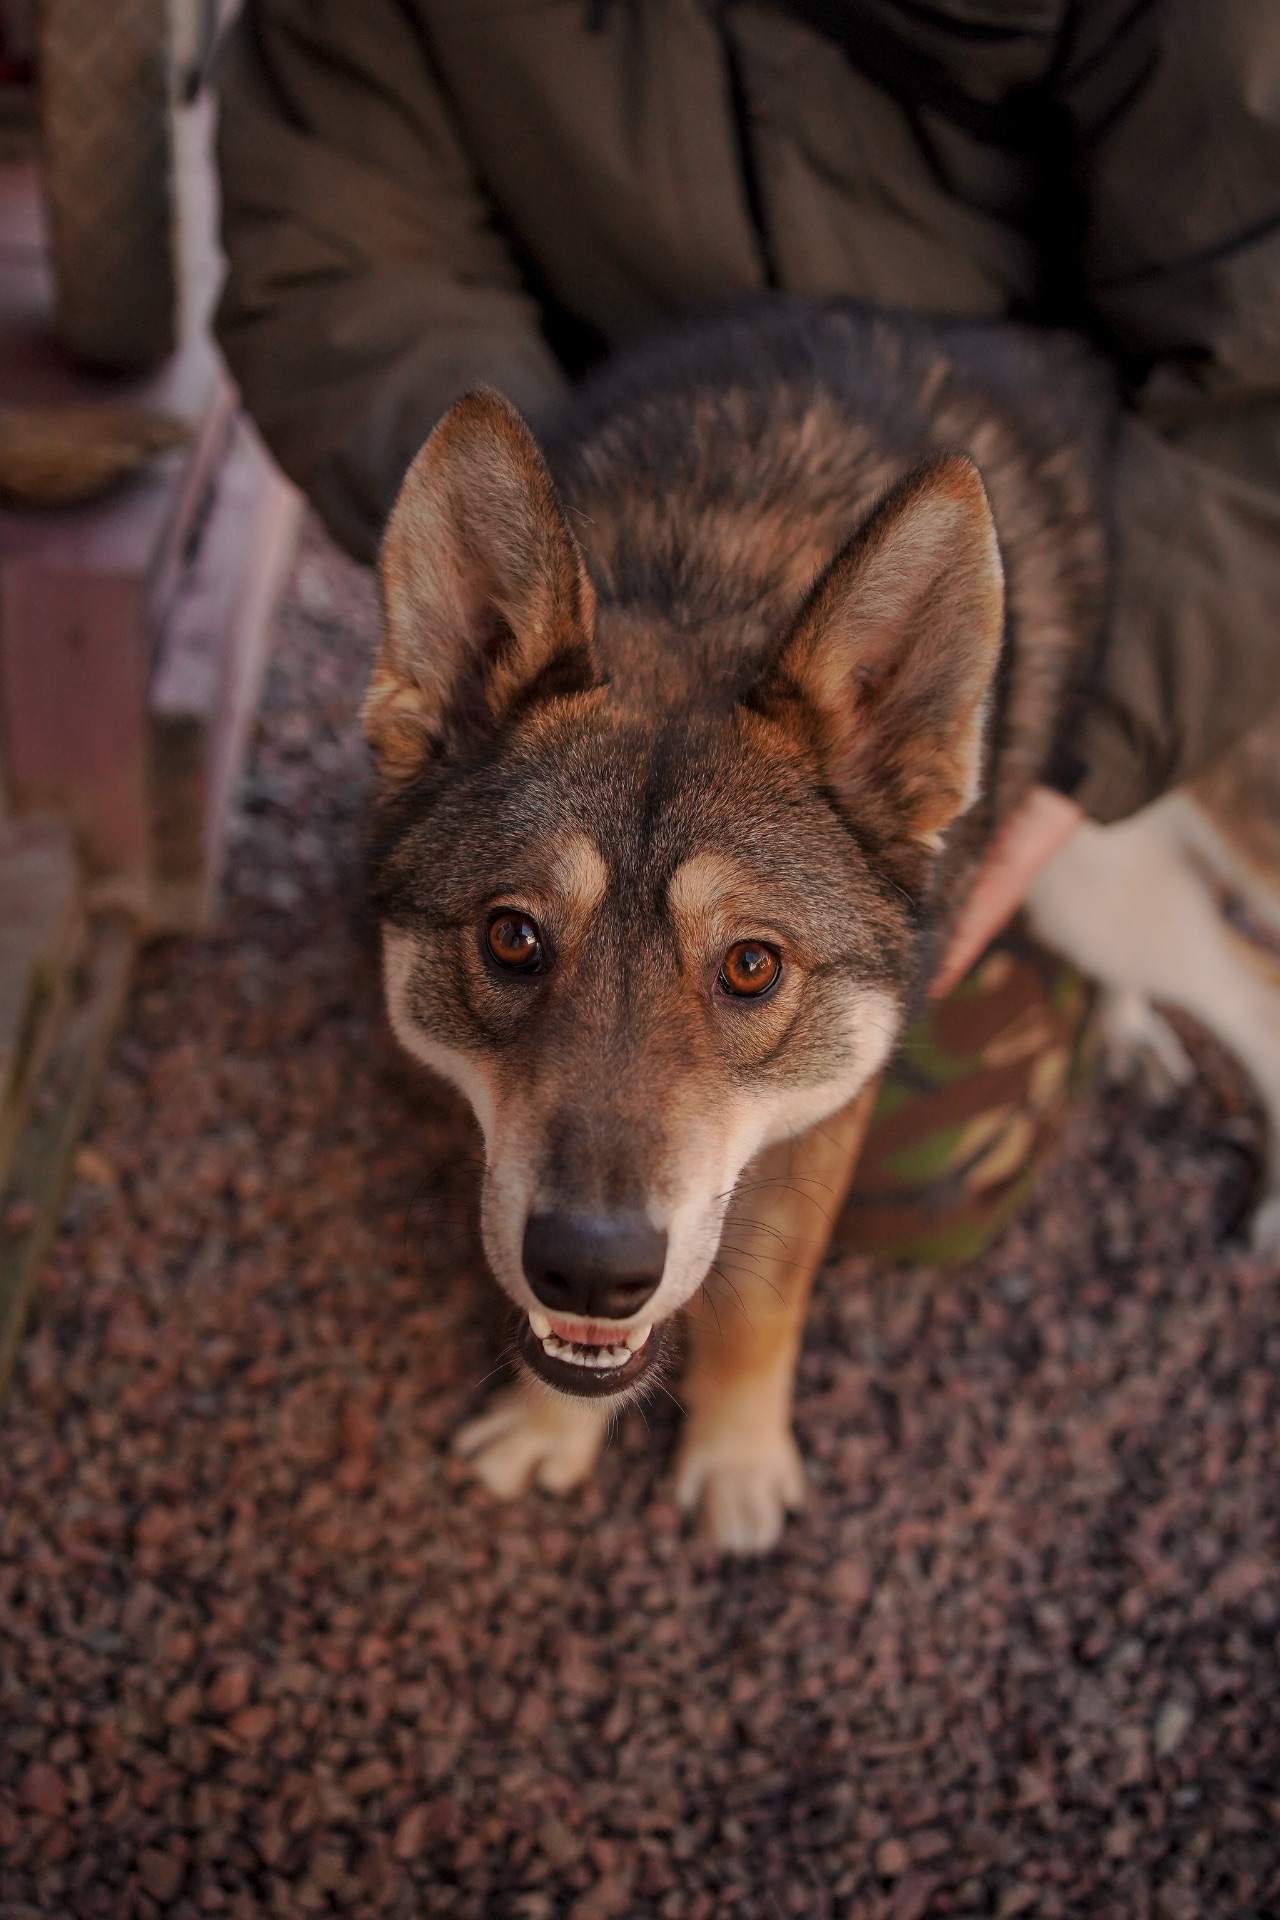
[[750, 969], [514, 941]]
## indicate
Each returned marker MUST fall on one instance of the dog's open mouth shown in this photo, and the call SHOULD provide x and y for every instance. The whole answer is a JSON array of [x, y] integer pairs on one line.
[[589, 1358]]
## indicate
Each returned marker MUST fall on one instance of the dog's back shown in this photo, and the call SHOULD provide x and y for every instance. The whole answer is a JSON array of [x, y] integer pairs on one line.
[[712, 477]]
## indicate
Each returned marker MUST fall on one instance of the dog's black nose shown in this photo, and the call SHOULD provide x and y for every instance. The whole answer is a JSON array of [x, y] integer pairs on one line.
[[601, 1266]]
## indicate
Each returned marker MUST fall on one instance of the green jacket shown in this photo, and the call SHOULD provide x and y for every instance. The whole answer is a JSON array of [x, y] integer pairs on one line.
[[420, 195]]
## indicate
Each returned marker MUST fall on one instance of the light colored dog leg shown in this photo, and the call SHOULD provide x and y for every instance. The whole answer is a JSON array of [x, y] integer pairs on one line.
[[529, 1433], [738, 1458], [1131, 904]]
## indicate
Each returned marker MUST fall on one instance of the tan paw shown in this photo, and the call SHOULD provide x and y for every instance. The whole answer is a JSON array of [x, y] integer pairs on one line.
[[1138, 1043], [529, 1434], [743, 1488]]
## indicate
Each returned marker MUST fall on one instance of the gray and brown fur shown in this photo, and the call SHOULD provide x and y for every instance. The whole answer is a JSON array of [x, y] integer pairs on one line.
[[737, 654]]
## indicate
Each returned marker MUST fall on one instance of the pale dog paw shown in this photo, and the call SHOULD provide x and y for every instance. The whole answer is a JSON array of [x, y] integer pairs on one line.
[[744, 1491], [1264, 1228], [1137, 1042], [525, 1435]]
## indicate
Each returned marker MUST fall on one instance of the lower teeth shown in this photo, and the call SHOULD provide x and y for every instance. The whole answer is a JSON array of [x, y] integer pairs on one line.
[[608, 1359], [604, 1358]]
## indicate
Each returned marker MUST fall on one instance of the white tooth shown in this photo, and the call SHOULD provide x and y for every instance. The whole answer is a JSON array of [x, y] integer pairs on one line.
[[565, 1350], [540, 1324], [636, 1337], [620, 1355]]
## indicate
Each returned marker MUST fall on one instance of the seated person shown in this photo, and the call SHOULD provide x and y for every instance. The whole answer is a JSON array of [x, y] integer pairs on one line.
[[421, 197]]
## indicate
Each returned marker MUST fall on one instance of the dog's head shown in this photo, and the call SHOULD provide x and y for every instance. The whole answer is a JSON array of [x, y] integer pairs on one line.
[[650, 925]]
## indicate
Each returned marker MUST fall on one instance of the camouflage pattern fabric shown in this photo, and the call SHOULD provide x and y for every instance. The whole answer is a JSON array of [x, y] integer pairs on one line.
[[970, 1105]]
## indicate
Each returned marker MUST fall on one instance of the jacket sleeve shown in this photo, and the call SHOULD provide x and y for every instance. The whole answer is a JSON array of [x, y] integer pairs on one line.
[[368, 285], [1177, 127]]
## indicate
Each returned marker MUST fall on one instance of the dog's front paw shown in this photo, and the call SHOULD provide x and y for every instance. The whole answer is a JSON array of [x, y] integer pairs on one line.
[[527, 1434], [744, 1488]]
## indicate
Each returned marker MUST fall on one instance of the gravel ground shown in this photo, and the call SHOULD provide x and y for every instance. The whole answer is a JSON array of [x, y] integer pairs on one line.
[[266, 1652]]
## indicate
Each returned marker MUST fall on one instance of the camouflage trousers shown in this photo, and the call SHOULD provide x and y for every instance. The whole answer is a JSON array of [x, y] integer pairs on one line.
[[969, 1107]]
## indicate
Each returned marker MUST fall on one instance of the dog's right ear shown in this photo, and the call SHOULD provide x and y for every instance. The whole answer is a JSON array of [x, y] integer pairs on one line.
[[485, 594]]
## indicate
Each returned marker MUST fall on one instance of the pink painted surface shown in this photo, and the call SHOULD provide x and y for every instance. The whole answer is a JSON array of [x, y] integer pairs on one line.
[[85, 591], [278, 514], [73, 686], [209, 673]]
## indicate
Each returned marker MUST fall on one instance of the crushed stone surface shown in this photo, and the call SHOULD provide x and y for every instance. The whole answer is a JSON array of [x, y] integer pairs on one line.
[[265, 1651]]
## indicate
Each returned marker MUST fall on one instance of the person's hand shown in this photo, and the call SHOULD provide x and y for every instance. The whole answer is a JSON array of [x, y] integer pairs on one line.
[[1026, 843]]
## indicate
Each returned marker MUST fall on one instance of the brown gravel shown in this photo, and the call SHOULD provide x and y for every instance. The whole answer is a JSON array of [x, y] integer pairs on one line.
[[265, 1652]]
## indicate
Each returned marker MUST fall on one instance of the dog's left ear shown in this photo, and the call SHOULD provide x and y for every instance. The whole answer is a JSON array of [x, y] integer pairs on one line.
[[485, 594], [889, 664]]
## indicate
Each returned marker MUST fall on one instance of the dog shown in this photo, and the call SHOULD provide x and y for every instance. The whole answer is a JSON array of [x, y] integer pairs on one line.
[[693, 722], [1181, 904]]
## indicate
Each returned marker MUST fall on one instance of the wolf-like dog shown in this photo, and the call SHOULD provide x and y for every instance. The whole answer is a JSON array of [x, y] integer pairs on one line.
[[692, 725]]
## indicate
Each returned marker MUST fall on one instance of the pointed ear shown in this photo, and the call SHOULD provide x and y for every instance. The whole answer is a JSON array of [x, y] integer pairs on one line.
[[485, 595], [890, 663]]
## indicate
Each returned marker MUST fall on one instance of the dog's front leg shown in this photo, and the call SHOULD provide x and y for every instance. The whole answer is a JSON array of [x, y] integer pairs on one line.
[[529, 1433], [738, 1458]]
